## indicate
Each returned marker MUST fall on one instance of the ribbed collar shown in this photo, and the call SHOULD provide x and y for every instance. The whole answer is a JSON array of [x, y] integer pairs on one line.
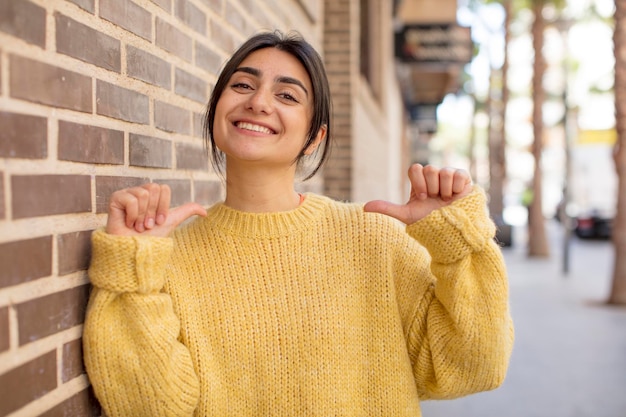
[[223, 219]]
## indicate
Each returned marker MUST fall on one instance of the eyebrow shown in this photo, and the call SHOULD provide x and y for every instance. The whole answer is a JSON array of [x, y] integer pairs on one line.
[[280, 79]]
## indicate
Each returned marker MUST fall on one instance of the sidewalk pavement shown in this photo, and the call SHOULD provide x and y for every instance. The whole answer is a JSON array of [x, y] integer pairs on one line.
[[569, 358]]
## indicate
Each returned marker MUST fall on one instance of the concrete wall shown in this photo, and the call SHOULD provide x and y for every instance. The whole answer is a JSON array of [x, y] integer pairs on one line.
[[380, 161]]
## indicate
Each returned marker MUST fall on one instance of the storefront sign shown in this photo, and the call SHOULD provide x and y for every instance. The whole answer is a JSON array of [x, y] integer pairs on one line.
[[434, 43]]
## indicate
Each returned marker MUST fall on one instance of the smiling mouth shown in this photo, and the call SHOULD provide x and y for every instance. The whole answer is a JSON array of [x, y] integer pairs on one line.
[[254, 128]]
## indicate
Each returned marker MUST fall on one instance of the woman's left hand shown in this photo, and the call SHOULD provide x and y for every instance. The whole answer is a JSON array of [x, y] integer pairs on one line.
[[431, 189]]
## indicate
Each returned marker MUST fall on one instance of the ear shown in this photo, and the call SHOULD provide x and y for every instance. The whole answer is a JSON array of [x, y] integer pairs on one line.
[[321, 135]]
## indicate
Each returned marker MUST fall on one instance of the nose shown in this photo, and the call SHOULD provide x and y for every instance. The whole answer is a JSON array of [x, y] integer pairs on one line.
[[260, 101]]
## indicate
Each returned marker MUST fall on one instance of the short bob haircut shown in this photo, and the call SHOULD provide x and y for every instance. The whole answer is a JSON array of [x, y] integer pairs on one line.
[[293, 44]]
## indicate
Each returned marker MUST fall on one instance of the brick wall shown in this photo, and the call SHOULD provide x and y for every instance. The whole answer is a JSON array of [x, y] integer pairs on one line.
[[97, 95], [341, 46]]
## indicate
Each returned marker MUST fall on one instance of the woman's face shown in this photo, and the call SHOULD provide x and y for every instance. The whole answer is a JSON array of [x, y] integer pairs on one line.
[[264, 113]]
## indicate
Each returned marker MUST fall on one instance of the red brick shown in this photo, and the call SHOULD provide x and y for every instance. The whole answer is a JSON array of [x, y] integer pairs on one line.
[[72, 364], [341, 6], [181, 191], [105, 186], [191, 15], [74, 251], [42, 83], [173, 40], [51, 314], [164, 4], [121, 103], [127, 15], [147, 67], [190, 86], [215, 5], [88, 5], [208, 192], [25, 260], [207, 59], [198, 124], [82, 42], [4, 329], [28, 382], [90, 144], [234, 17], [222, 37], [171, 118], [146, 151], [45, 195], [338, 171], [2, 199], [191, 157], [83, 404], [23, 136], [23, 20], [252, 9]]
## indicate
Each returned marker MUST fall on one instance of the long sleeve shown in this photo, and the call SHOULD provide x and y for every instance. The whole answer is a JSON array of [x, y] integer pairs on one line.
[[132, 354], [461, 337]]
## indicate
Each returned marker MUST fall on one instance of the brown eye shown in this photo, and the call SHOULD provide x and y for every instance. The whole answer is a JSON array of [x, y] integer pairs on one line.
[[241, 86], [288, 96]]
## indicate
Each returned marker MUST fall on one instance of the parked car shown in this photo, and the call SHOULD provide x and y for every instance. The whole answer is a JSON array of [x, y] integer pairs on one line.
[[593, 225]]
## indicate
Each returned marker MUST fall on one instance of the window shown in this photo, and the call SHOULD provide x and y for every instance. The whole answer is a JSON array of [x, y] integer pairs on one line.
[[370, 43]]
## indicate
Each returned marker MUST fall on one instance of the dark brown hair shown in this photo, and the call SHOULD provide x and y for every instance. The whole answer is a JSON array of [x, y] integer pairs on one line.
[[295, 45]]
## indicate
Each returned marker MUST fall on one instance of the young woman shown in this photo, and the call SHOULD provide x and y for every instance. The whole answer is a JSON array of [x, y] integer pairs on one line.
[[274, 303]]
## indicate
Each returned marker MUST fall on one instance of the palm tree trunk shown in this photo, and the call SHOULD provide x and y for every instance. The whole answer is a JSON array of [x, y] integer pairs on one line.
[[618, 289], [537, 240], [471, 146], [497, 126], [491, 108], [495, 140], [508, 10]]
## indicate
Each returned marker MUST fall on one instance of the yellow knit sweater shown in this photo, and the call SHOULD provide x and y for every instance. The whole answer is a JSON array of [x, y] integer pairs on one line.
[[324, 310]]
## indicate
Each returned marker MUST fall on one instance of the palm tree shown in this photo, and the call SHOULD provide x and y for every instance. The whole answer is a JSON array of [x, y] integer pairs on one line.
[[497, 131], [495, 106], [618, 289], [537, 239]]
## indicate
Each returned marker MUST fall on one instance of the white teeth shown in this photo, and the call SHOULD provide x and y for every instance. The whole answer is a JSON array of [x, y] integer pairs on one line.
[[253, 127]]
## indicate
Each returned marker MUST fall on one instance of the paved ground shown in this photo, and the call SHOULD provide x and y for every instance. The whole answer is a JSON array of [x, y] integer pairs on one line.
[[569, 358]]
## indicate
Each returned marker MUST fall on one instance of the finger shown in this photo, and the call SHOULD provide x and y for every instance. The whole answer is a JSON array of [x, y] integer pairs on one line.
[[446, 182], [123, 208], [461, 180], [164, 204], [184, 212], [154, 194], [384, 207], [418, 182], [142, 196], [431, 175]]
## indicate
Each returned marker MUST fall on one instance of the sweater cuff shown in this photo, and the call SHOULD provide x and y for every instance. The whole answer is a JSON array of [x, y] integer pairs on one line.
[[129, 263], [453, 232]]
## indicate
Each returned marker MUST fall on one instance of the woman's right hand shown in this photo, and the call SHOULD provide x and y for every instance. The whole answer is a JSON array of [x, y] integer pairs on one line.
[[145, 210]]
